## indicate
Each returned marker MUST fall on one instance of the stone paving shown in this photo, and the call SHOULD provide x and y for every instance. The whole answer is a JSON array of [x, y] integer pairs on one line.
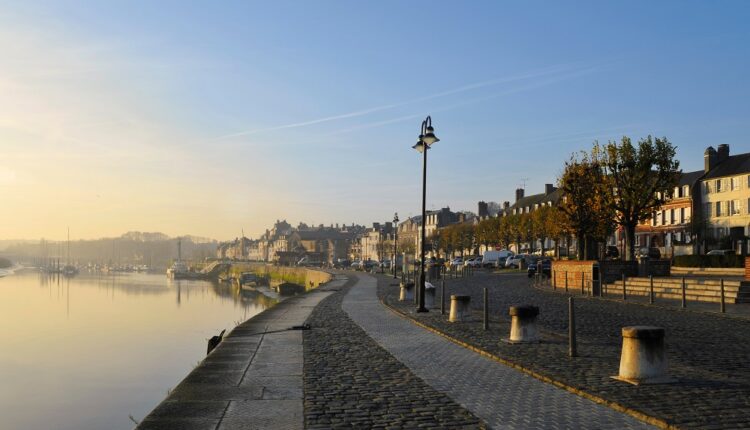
[[503, 397], [351, 382], [250, 381], [708, 353]]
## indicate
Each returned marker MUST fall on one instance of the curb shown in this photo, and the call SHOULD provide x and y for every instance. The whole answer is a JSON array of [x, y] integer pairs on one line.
[[658, 422]]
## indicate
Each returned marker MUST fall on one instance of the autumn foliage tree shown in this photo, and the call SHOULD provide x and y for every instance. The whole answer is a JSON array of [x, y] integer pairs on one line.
[[586, 204], [640, 180]]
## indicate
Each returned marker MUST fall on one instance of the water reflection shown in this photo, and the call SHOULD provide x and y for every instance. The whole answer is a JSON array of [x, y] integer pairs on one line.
[[86, 352]]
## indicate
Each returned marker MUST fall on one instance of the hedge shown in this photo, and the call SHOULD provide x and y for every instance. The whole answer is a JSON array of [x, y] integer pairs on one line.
[[709, 261]]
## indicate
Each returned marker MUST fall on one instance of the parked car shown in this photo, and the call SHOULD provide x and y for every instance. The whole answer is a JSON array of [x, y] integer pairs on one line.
[[515, 261], [612, 253], [385, 264], [457, 262], [490, 257], [546, 268], [500, 262], [648, 252], [356, 265], [473, 262], [721, 252]]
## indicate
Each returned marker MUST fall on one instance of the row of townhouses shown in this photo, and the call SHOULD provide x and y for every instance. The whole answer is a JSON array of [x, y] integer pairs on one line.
[[708, 209]]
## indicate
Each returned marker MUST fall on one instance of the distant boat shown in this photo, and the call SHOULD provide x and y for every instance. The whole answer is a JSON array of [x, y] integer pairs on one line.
[[178, 270], [69, 270]]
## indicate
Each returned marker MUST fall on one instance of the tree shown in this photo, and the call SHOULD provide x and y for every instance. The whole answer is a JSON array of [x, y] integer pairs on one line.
[[586, 203], [641, 177], [504, 233], [541, 225], [487, 232]]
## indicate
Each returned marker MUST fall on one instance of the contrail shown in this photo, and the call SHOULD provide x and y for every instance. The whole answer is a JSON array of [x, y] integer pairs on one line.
[[514, 90], [542, 72]]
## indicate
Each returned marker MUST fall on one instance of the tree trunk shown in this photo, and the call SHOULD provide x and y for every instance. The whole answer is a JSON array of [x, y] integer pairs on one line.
[[630, 241]]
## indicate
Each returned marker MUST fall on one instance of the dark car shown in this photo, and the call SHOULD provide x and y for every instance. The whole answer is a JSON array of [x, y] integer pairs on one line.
[[546, 268], [652, 252], [612, 253]]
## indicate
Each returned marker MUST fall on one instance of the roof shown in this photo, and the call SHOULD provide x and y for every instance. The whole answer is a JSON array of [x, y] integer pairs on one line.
[[733, 165], [321, 234], [540, 198], [689, 178]]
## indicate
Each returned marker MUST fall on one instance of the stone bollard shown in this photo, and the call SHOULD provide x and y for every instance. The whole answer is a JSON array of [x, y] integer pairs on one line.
[[523, 324], [643, 359], [407, 291], [429, 295], [459, 308]]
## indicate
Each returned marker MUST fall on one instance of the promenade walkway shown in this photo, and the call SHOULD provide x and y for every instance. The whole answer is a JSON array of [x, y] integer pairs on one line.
[[501, 396], [251, 380]]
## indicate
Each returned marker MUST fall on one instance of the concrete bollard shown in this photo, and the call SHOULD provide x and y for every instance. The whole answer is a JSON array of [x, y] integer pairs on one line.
[[459, 308], [643, 359], [429, 295], [407, 291], [523, 324]]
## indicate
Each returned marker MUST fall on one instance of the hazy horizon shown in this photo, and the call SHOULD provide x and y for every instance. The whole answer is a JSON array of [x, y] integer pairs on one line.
[[210, 119]]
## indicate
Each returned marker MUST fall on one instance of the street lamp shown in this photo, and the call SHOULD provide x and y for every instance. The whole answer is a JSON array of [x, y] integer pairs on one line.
[[395, 243], [426, 139]]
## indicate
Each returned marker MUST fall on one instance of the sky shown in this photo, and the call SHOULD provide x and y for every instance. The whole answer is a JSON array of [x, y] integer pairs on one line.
[[213, 118]]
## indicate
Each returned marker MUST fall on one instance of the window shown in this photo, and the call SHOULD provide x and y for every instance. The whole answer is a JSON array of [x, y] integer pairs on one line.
[[663, 217], [718, 209], [676, 193], [671, 216], [682, 215], [707, 210], [718, 185], [735, 207], [734, 184], [685, 190], [708, 187]]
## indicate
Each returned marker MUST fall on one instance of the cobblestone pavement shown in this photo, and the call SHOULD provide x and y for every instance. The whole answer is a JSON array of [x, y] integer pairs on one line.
[[351, 382], [503, 397], [707, 353]]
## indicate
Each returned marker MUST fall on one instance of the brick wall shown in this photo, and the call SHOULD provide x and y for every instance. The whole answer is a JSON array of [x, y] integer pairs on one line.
[[573, 270]]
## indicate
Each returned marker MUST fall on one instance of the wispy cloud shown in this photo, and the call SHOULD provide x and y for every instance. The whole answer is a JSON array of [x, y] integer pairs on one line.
[[564, 69]]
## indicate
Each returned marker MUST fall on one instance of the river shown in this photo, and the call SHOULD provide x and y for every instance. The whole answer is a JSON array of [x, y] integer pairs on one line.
[[89, 352]]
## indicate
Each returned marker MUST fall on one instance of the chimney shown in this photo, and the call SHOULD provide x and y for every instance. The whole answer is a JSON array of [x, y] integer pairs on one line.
[[519, 194], [723, 153], [709, 159], [506, 205], [548, 189], [482, 210]]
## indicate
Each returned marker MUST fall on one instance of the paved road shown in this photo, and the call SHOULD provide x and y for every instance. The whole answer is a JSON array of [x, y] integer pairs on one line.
[[501, 396]]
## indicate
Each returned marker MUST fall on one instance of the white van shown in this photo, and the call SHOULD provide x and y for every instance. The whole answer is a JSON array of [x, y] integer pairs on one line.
[[490, 257]]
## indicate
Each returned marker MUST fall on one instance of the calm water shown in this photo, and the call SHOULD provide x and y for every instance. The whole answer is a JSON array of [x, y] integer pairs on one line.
[[87, 352]]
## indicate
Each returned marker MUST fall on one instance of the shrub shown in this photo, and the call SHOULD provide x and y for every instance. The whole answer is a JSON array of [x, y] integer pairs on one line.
[[709, 261]]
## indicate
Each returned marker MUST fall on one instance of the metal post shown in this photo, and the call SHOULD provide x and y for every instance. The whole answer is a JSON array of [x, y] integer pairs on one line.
[[722, 306], [420, 307], [624, 289], [442, 297], [684, 298], [651, 289], [583, 285], [572, 347], [566, 281], [486, 323], [554, 279]]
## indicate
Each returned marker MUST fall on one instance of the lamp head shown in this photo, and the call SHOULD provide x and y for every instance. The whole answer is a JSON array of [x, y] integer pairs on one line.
[[430, 137], [420, 146]]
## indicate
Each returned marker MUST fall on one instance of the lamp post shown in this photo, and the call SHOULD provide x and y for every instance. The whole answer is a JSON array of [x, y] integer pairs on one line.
[[395, 244], [426, 139]]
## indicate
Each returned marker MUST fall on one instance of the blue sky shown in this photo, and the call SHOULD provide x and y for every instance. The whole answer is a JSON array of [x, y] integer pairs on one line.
[[210, 117]]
